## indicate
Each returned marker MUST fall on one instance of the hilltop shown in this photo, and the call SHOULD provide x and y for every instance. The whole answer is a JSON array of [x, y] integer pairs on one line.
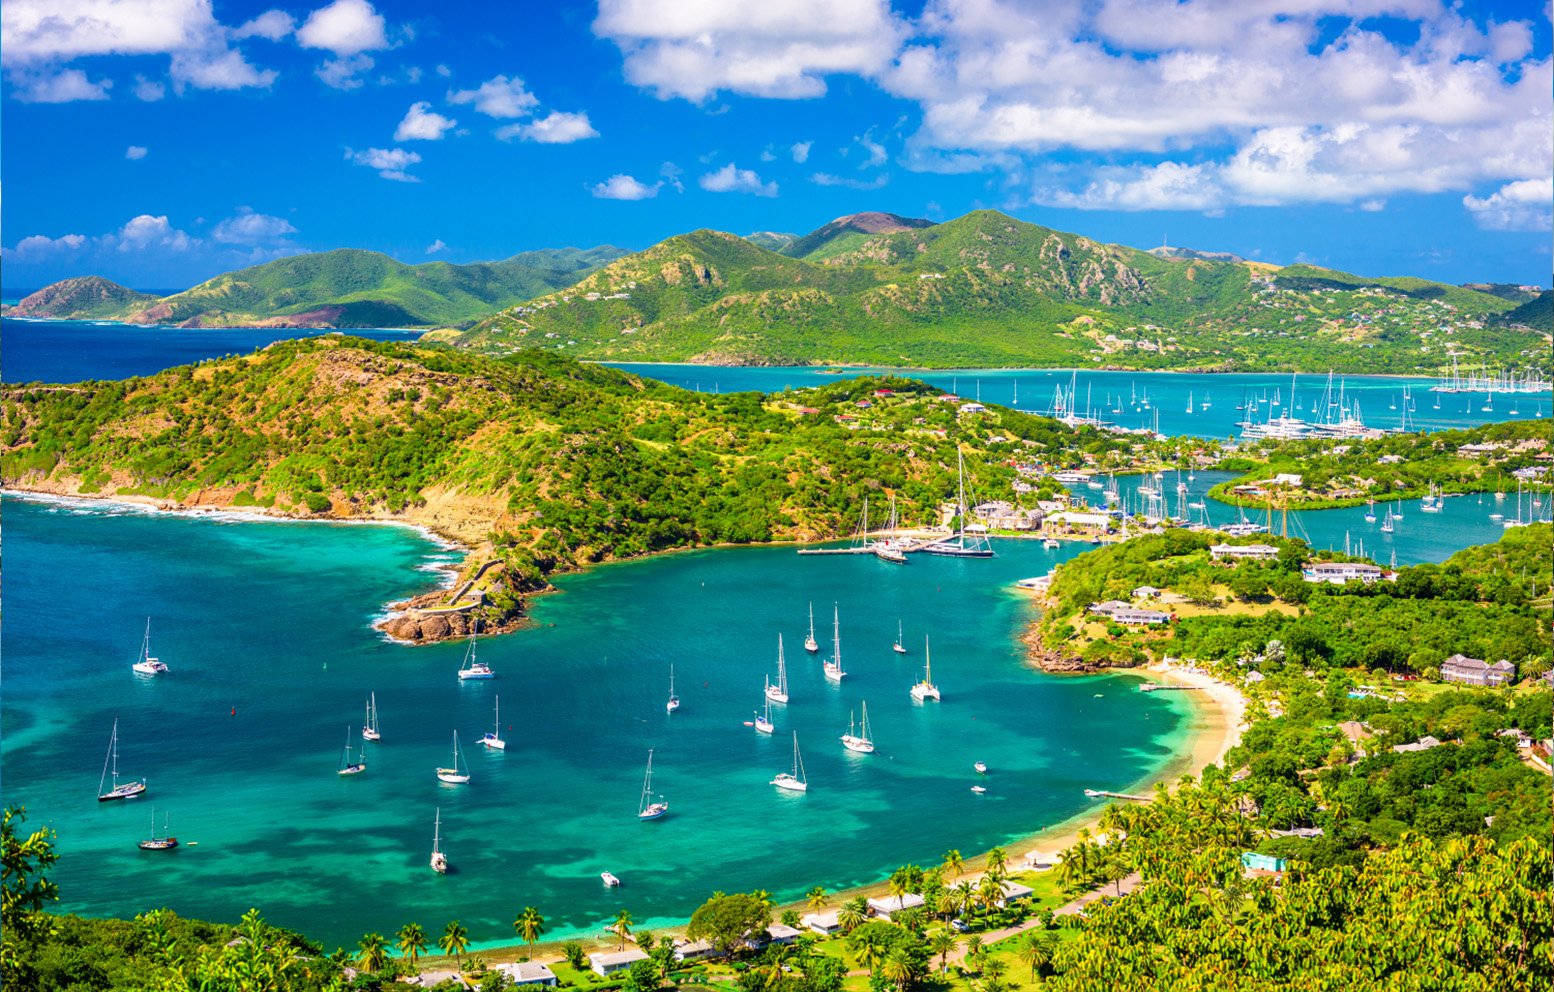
[[986, 289], [342, 288]]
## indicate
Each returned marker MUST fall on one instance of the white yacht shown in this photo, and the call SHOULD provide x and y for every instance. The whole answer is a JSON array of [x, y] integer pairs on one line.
[[897, 647], [793, 781], [674, 701], [925, 689], [763, 719], [473, 669], [147, 665], [779, 693], [810, 644], [439, 859], [370, 724], [493, 737], [111, 766], [862, 743], [458, 774], [647, 807], [833, 668], [610, 881], [347, 766]]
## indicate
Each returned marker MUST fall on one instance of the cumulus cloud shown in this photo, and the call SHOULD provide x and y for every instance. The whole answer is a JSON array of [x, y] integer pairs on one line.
[[149, 90], [344, 73], [731, 179], [146, 232], [827, 179], [135, 153], [800, 151], [345, 27], [421, 123], [555, 128], [391, 163], [64, 86], [624, 187], [780, 50], [1525, 205], [218, 68], [499, 96], [250, 228], [272, 25], [436, 247], [42, 246]]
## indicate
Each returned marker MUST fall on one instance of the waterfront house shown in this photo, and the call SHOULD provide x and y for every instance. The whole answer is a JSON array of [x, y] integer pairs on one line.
[[1475, 671], [1146, 618], [605, 963], [1258, 552], [824, 924], [883, 906], [1339, 572], [527, 973], [694, 950], [780, 933]]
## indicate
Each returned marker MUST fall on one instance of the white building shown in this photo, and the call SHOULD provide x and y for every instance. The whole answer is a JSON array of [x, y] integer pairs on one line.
[[824, 924], [1259, 552], [609, 962], [1339, 572], [883, 906], [527, 973]]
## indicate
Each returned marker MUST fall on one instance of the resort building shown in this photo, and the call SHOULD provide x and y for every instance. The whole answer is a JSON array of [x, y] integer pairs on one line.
[[824, 924], [606, 963], [883, 906], [1258, 552], [527, 973], [694, 950], [1013, 891], [1339, 572], [1145, 618], [780, 933], [1475, 671]]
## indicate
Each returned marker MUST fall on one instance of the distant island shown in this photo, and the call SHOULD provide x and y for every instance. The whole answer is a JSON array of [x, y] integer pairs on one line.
[[984, 289]]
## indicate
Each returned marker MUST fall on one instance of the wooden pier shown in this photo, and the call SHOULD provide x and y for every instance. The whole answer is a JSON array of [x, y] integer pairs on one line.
[[1099, 794], [1159, 687]]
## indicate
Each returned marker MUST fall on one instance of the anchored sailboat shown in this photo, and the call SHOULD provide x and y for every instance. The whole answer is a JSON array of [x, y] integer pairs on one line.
[[896, 647], [793, 781], [833, 668], [763, 720], [810, 644], [370, 724], [472, 669], [925, 689], [969, 540], [647, 809], [457, 774], [347, 766], [111, 763], [779, 693], [166, 842], [862, 743], [147, 665], [439, 859], [674, 701], [493, 739]]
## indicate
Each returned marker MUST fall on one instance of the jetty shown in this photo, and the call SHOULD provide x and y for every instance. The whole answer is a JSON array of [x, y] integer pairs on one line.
[[1103, 794], [1160, 687]]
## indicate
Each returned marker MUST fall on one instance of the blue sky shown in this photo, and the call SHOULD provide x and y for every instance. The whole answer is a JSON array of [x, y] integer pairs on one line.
[[159, 142]]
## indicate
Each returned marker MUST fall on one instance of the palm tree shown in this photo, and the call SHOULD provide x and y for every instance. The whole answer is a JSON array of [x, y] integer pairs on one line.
[[622, 926], [412, 942], [870, 950], [374, 952], [974, 950], [949, 902], [944, 944], [529, 925], [997, 863], [816, 898], [993, 973], [852, 913], [953, 862], [1035, 948], [990, 892], [898, 969], [454, 940]]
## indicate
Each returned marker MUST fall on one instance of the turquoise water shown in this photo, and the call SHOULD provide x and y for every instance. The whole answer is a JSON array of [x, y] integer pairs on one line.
[[272, 619]]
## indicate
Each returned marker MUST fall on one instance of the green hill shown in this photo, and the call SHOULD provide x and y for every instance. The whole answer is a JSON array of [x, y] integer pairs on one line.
[[1537, 314], [771, 240], [81, 298], [346, 288], [986, 289]]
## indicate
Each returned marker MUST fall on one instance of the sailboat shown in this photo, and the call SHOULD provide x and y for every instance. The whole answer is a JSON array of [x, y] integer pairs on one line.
[[779, 693], [347, 766], [493, 739], [862, 743], [370, 724], [1397, 511], [925, 689], [1204, 403], [647, 809], [897, 647], [810, 644], [833, 668], [166, 842], [763, 719], [472, 669], [958, 545], [1189, 401], [454, 775], [793, 781], [439, 859], [674, 701], [1386, 523], [1370, 511], [111, 765], [147, 665]]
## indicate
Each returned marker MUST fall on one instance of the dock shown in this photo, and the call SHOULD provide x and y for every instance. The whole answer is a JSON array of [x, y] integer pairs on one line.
[[836, 551], [1159, 687], [906, 546], [1101, 794]]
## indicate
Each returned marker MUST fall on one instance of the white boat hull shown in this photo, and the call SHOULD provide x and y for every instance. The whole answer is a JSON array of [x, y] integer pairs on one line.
[[494, 742], [451, 777], [776, 695], [127, 791], [654, 812], [355, 769], [609, 880], [440, 863], [149, 667], [834, 673], [368, 734], [791, 784], [923, 691], [862, 745], [811, 646], [764, 726], [471, 676]]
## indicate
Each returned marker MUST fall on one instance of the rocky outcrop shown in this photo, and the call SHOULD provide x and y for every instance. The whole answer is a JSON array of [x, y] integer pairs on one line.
[[427, 619]]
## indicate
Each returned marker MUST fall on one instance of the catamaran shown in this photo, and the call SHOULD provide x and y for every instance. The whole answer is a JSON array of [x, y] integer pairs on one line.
[[493, 739], [454, 775], [166, 842], [925, 689], [897, 647], [833, 668], [793, 781], [779, 693], [370, 724], [862, 743], [347, 766], [969, 540], [439, 859], [810, 644], [763, 719], [647, 809], [472, 669], [111, 763], [674, 701], [147, 665]]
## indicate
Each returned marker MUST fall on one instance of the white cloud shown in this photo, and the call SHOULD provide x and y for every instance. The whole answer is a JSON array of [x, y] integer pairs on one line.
[[436, 246], [1525, 205], [421, 123], [827, 179], [800, 151], [876, 150], [499, 96], [1373, 206], [556, 128], [249, 228], [730, 179], [64, 86], [1168, 186], [344, 73], [218, 68], [785, 49], [135, 153], [149, 90], [40, 245], [272, 25], [146, 232], [443, 71], [624, 187], [391, 163], [345, 27]]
